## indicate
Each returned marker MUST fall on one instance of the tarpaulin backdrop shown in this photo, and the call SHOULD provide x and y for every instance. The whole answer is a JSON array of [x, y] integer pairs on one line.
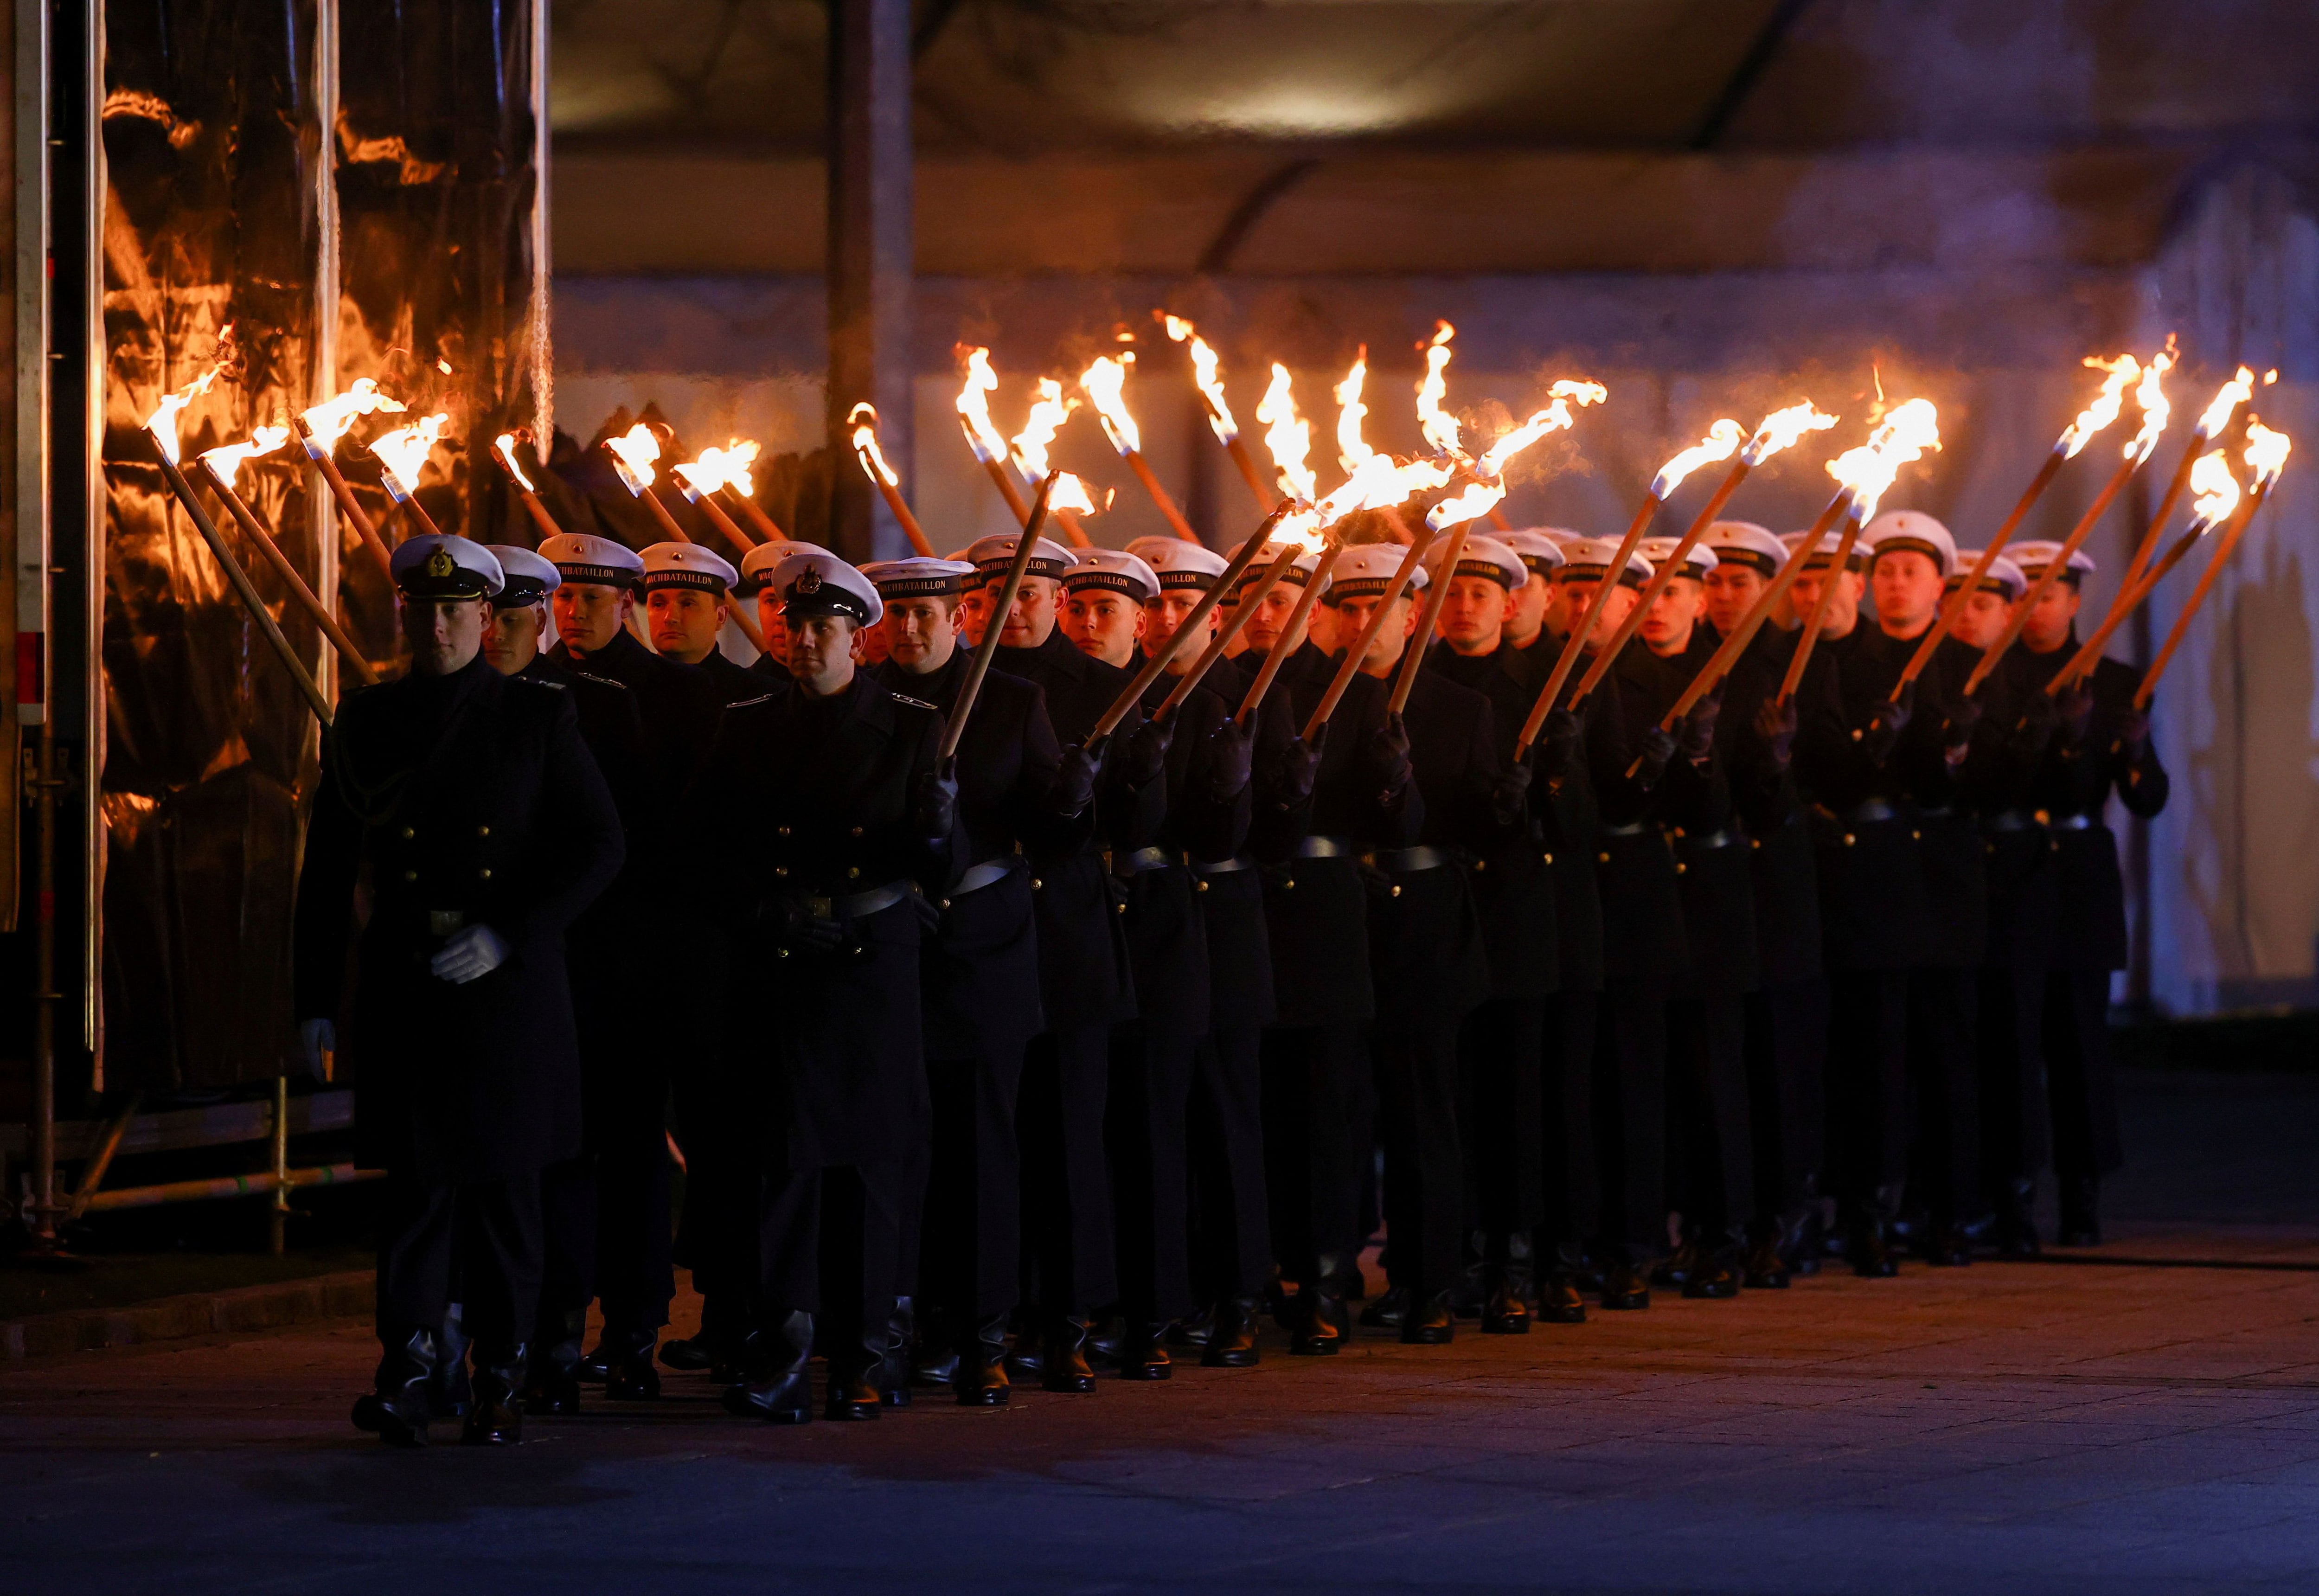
[[229, 140]]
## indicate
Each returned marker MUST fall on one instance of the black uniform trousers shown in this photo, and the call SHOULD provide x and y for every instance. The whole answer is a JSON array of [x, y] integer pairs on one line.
[[1067, 1223], [1144, 1135], [1630, 1112], [1944, 1091], [2087, 1140], [829, 1244], [1868, 1085], [1501, 1076], [1317, 1113], [1711, 1151], [968, 1255], [607, 1220], [1570, 1178], [1231, 1226], [1417, 1090], [716, 1235], [488, 1231], [1787, 1063]]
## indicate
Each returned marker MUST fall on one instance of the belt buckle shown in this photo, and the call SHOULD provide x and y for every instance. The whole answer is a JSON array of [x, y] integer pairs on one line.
[[446, 922], [819, 908]]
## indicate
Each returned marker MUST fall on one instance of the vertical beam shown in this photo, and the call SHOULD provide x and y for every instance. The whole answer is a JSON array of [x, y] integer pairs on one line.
[[322, 508], [542, 367], [31, 508], [95, 523], [871, 255]]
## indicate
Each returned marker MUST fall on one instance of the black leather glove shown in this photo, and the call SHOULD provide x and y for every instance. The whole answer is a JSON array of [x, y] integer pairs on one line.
[[1231, 755], [1886, 723], [1956, 731], [1389, 755], [801, 929], [937, 800], [1776, 723], [1657, 747], [2132, 740], [2039, 718], [1510, 794], [1144, 759], [1074, 780], [1299, 769], [1563, 735], [2074, 707], [1695, 733]]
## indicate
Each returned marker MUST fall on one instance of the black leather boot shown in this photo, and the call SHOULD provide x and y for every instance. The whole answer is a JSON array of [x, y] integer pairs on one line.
[[724, 1327], [2080, 1211], [1390, 1308], [1714, 1273], [857, 1378], [979, 1367], [1322, 1323], [2015, 1233], [1868, 1240], [1557, 1298], [1767, 1267], [777, 1386], [451, 1393], [1625, 1284], [1027, 1359], [1469, 1294], [1512, 1289], [1232, 1335], [894, 1362], [1945, 1244], [1430, 1322], [1677, 1268], [395, 1409], [1062, 1358], [1804, 1243], [496, 1420], [1142, 1352], [629, 1376], [1192, 1333], [551, 1378]]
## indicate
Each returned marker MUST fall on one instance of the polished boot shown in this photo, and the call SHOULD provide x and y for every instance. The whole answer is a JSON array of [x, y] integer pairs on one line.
[[1868, 1240], [777, 1385], [2080, 1211], [1429, 1322], [496, 1419], [1390, 1308], [1232, 1335], [1062, 1358], [1193, 1333], [1677, 1267], [1945, 1244], [1507, 1312], [717, 1349], [395, 1409], [1804, 1242], [894, 1359], [857, 1378], [1765, 1268], [629, 1376], [1142, 1352], [1322, 1323], [979, 1367], [1714, 1273], [1281, 1303], [1558, 1302], [2015, 1233], [551, 1379], [1027, 1360], [452, 1393], [1625, 1284], [1469, 1294]]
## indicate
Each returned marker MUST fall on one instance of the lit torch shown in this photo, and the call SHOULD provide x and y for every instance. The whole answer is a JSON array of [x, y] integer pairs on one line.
[[740, 456], [223, 467], [1070, 497], [1104, 383], [320, 429], [633, 454], [863, 421], [2212, 423], [503, 448], [402, 457], [1289, 436], [1208, 374], [700, 480]]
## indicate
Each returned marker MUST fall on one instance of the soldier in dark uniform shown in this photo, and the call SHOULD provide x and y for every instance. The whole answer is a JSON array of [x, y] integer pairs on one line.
[[2100, 744], [755, 566], [470, 803], [980, 974], [606, 1214], [836, 784], [687, 600], [1085, 987]]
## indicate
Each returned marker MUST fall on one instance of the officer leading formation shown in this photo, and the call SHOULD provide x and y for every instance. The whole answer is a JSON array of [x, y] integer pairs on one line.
[[1012, 1054]]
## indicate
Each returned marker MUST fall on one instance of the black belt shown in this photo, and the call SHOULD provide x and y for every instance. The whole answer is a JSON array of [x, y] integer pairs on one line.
[[857, 906], [1324, 848], [1633, 828], [1407, 861], [1124, 865], [2012, 820], [1871, 812], [1223, 867], [2071, 822], [1722, 838], [987, 873]]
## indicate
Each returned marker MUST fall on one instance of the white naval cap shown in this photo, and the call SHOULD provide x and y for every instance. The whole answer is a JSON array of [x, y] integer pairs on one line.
[[1179, 564], [1697, 561], [2003, 576], [2034, 556], [814, 581], [1365, 570], [1744, 543], [1588, 559], [993, 555], [582, 556], [1299, 572], [1482, 556], [919, 577], [1824, 550], [437, 565], [1910, 531], [758, 563], [688, 566], [1113, 569], [527, 578], [1538, 548]]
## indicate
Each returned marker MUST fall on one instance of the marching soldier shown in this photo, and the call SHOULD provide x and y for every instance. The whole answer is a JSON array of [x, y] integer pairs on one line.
[[756, 565], [1104, 595], [688, 596], [470, 803], [2100, 744], [836, 784]]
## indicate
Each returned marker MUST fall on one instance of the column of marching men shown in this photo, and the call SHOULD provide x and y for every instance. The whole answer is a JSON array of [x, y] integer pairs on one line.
[[1062, 1055]]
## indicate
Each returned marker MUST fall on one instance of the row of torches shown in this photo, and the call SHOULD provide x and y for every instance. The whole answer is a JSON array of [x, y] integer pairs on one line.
[[1300, 519]]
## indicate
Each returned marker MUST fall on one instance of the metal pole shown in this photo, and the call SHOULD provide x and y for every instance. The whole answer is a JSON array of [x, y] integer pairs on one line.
[[43, 1216], [279, 1219]]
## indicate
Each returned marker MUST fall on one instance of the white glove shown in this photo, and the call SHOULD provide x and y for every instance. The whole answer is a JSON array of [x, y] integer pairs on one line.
[[476, 951], [316, 1038]]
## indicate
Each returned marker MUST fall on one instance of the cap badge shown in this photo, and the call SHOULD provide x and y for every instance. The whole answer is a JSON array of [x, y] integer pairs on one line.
[[808, 582], [439, 564]]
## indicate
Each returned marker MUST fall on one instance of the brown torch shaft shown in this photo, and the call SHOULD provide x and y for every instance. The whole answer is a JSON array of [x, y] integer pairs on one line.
[[2051, 575], [288, 573], [1360, 648], [242, 586], [1608, 654], [2089, 653], [1818, 616], [910, 527], [345, 495], [1954, 605], [1264, 496], [707, 504], [1414, 655], [659, 513], [978, 666], [1242, 613], [2181, 628], [1291, 635], [2175, 487], [1731, 647], [539, 512], [1585, 628], [759, 518], [1156, 663], [1141, 467], [1498, 519]]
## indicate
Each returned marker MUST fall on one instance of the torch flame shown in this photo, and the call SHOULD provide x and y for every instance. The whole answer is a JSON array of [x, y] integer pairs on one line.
[[982, 435], [227, 461], [329, 420], [1289, 436], [163, 422], [2156, 408], [1072, 494], [1781, 429], [404, 453], [1901, 438], [1104, 383], [1208, 375], [863, 419], [2216, 491], [740, 455], [1353, 450], [1048, 413], [1722, 441], [505, 444], [727, 467], [2266, 453], [1440, 427], [633, 454], [2227, 399], [1477, 501], [2123, 372], [1554, 417]]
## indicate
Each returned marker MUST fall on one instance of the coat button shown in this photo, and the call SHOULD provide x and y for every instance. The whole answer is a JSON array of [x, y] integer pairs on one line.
[[1916, 836], [780, 952], [1199, 886], [410, 875], [483, 830], [781, 831], [1755, 842], [1036, 883], [857, 831], [1680, 868], [945, 903], [1396, 890], [1603, 858], [852, 872], [408, 834], [1481, 864], [1546, 859], [781, 869], [1849, 839], [1289, 885], [484, 874], [1121, 907]]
